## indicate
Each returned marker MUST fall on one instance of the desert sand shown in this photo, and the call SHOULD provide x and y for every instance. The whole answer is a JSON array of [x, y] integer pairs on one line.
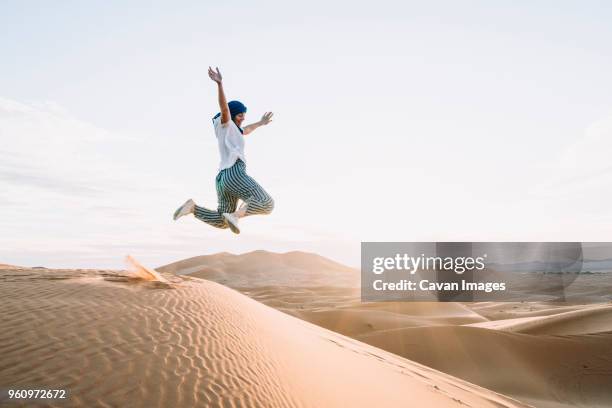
[[141, 339], [541, 353], [260, 268]]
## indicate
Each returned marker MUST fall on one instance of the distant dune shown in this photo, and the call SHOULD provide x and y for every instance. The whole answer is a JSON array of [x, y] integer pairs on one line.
[[585, 320], [260, 268], [7, 266], [113, 340], [356, 320]]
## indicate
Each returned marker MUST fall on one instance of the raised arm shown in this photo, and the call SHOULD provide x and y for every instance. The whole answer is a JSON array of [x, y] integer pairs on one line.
[[265, 119], [216, 76]]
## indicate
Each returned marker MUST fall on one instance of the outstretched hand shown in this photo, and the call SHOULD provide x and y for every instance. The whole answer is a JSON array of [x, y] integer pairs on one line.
[[266, 118], [215, 76]]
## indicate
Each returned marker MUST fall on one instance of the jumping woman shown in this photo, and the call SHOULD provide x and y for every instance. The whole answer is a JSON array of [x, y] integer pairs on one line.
[[232, 181]]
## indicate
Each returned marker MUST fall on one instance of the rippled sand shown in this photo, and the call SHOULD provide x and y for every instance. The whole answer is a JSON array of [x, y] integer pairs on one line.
[[115, 339], [547, 354]]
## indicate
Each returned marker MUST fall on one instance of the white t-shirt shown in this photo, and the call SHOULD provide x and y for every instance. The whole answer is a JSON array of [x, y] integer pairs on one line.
[[230, 141]]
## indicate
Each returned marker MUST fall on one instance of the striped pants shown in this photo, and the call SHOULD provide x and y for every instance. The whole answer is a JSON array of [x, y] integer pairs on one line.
[[233, 184]]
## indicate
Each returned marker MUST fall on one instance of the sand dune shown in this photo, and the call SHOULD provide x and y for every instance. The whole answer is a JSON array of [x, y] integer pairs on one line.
[[585, 320], [113, 340], [511, 310], [547, 371], [186, 342], [531, 364], [7, 266], [260, 268], [352, 322], [352, 319]]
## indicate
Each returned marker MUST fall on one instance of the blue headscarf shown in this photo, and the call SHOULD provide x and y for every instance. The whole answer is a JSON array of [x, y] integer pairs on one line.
[[235, 108]]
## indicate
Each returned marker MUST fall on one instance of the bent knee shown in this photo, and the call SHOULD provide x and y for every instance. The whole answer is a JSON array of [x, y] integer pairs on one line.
[[268, 205]]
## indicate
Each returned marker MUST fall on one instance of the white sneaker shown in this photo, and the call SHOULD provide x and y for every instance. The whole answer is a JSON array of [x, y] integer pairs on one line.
[[232, 222], [184, 209]]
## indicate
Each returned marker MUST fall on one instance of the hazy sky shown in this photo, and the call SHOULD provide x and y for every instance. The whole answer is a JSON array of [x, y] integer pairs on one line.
[[394, 121]]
